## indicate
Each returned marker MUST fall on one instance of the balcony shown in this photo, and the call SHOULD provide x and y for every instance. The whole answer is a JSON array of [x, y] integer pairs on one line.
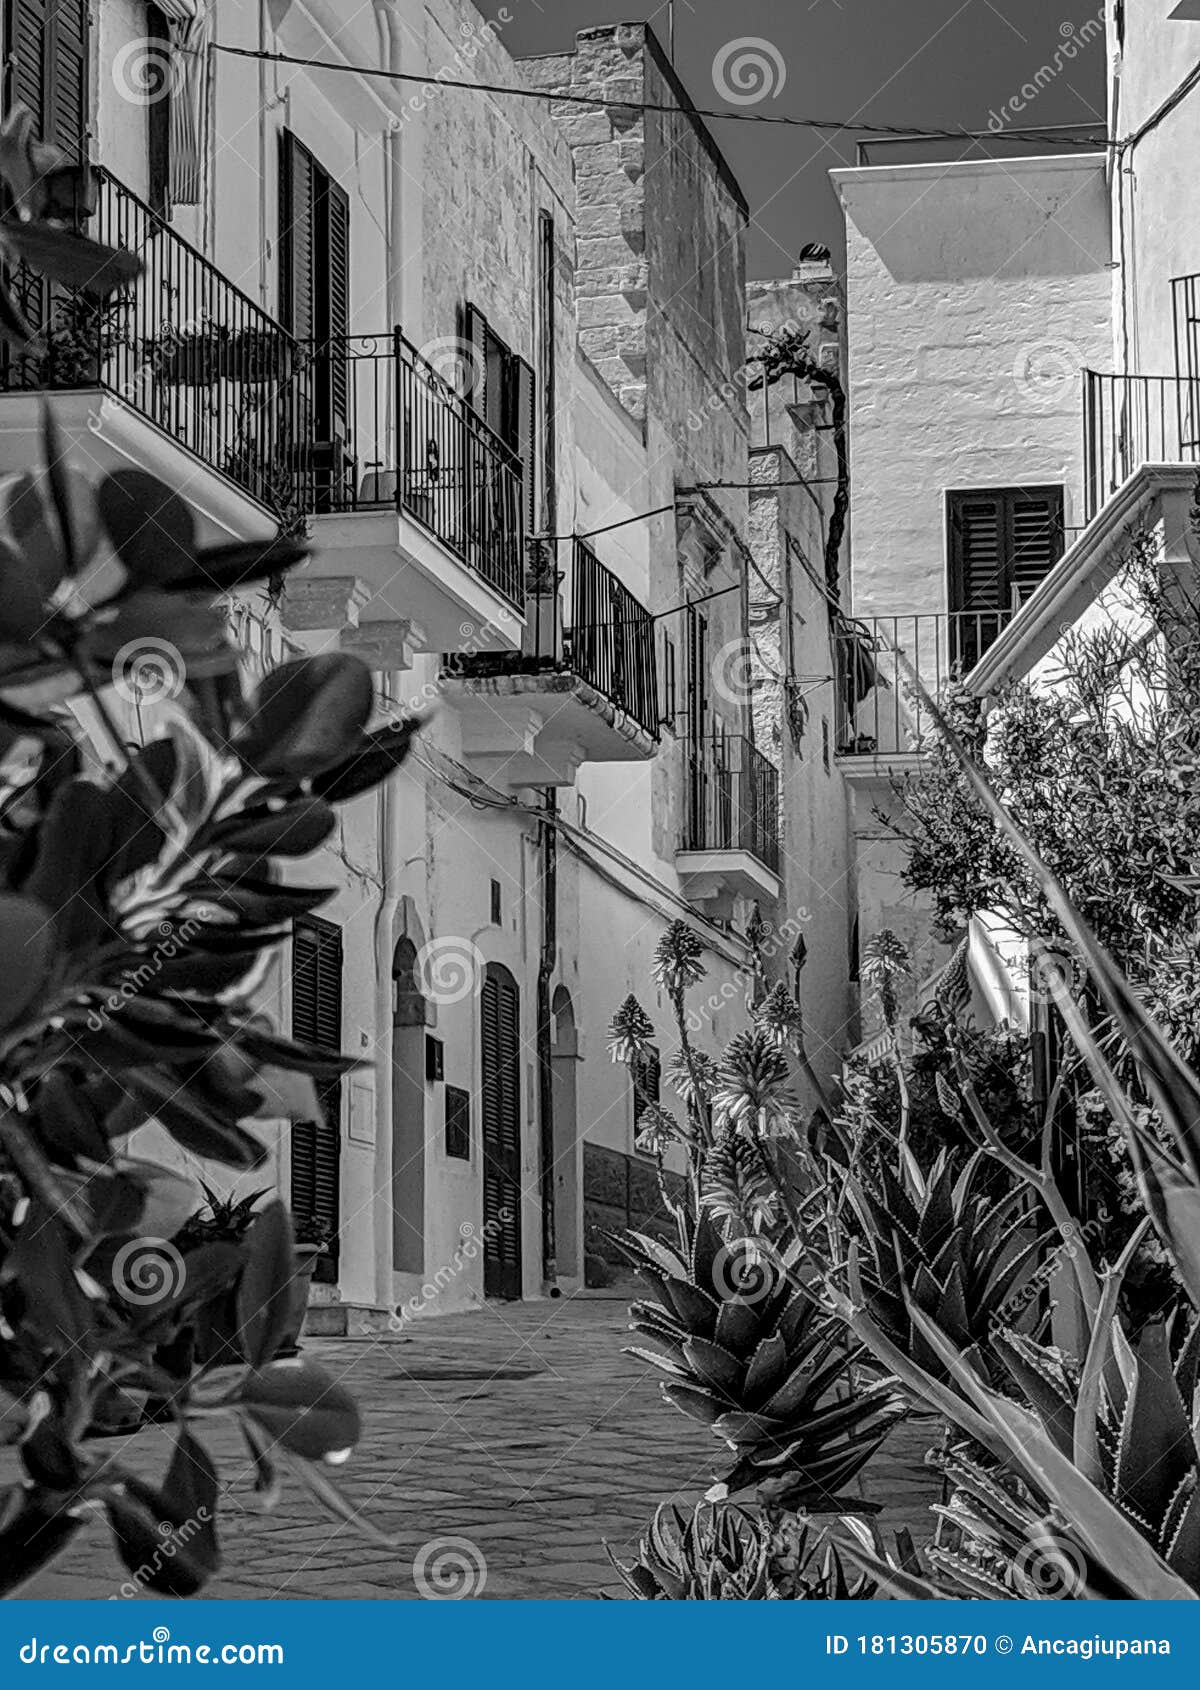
[[417, 505], [882, 723], [1129, 421], [730, 846], [181, 359], [584, 688], [410, 490]]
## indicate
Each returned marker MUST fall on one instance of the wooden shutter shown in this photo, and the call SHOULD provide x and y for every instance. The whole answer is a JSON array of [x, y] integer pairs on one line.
[[335, 231], [649, 1082], [1003, 543], [976, 552], [317, 1020], [475, 336], [46, 55], [522, 434], [1037, 539], [297, 238], [500, 1112]]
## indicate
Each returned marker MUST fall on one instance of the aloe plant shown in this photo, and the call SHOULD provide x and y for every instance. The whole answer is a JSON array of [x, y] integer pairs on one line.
[[749, 1351], [946, 1241], [720, 1553]]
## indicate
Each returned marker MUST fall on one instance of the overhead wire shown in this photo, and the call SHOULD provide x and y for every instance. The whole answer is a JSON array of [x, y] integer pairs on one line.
[[855, 126]]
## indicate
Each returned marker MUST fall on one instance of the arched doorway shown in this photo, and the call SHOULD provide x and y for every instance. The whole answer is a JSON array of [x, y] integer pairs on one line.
[[500, 1094], [564, 1056], [409, 1017]]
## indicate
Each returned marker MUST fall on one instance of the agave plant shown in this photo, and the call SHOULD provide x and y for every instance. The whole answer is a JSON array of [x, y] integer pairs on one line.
[[943, 1242], [747, 1350], [720, 1553]]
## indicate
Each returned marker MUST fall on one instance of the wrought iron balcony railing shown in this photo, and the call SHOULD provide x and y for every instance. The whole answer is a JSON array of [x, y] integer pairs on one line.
[[352, 424], [587, 624], [732, 799], [609, 639], [378, 427], [1134, 420], [183, 345], [879, 710]]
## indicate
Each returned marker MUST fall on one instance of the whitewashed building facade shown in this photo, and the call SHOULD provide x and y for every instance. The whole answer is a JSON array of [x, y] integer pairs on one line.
[[428, 324]]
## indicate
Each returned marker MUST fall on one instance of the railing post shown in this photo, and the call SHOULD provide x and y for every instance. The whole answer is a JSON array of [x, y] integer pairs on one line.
[[400, 417]]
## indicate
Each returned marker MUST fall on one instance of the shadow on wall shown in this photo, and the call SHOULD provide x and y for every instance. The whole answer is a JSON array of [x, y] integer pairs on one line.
[[938, 224]]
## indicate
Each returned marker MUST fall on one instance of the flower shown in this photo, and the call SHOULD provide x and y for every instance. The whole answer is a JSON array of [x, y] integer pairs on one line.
[[678, 960], [693, 1080], [753, 1081], [630, 1031], [779, 1017]]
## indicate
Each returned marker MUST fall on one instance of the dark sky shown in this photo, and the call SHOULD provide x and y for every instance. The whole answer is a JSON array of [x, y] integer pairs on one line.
[[928, 63]]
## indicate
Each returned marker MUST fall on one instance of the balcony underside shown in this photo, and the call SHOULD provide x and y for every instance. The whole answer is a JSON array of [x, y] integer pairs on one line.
[[714, 878], [536, 729], [101, 433], [413, 577]]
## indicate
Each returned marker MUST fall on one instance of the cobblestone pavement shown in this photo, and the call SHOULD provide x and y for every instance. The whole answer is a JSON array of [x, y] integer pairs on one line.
[[521, 1428]]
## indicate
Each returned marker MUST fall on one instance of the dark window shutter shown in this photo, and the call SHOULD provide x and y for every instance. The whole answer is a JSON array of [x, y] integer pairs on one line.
[[522, 435], [297, 238], [1003, 544], [158, 124], [976, 552], [649, 1081], [500, 1115], [336, 327], [458, 1123], [46, 50], [317, 1020], [476, 335], [1037, 538]]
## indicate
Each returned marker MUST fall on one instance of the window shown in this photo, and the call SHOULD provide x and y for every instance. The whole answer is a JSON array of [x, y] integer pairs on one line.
[[46, 68], [314, 278], [1003, 542], [497, 905], [669, 707], [458, 1123], [503, 393], [158, 116], [316, 1145], [647, 1075]]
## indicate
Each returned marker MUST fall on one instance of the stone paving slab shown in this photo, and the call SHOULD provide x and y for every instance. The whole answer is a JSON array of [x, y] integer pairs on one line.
[[519, 1427]]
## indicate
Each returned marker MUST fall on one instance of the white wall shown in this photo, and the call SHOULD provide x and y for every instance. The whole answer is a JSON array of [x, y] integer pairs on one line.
[[976, 293], [1156, 228]]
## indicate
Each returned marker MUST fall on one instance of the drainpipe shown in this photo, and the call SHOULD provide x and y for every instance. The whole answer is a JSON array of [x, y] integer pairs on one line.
[[548, 840], [391, 855]]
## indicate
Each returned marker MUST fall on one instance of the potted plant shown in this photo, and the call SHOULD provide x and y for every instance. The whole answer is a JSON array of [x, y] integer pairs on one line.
[[220, 1220], [312, 1238]]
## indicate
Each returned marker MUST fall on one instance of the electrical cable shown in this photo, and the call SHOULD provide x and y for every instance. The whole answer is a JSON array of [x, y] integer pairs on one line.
[[599, 102], [578, 841]]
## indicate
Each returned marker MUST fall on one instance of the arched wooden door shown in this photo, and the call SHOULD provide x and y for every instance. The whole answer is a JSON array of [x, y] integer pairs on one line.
[[500, 1085]]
